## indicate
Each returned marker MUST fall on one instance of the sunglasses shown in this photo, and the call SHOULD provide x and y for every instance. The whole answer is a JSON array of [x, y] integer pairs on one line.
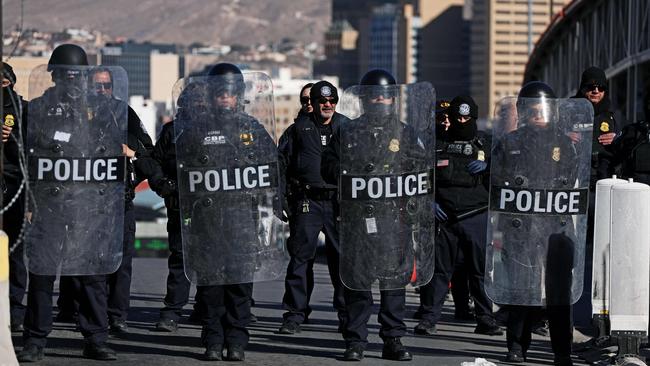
[[596, 88], [103, 85], [330, 100], [304, 100]]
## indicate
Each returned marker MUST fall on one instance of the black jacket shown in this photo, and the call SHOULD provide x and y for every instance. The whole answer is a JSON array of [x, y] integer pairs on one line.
[[458, 191], [164, 153], [300, 152], [605, 121], [11, 116], [143, 166]]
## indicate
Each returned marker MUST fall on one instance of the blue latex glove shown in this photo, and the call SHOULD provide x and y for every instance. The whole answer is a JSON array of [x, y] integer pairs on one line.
[[441, 216], [476, 167]]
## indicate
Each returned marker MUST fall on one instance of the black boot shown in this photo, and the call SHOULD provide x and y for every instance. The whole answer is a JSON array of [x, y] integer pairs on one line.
[[394, 350]]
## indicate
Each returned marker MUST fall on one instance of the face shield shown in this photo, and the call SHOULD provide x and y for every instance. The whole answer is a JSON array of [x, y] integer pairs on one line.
[[537, 112], [379, 101]]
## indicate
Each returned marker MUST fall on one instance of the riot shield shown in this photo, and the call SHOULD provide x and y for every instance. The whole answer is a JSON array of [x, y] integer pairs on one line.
[[386, 186], [76, 169], [539, 193], [228, 180]]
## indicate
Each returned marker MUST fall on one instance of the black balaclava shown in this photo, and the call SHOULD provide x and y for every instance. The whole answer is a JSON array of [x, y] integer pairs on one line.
[[462, 106], [8, 93]]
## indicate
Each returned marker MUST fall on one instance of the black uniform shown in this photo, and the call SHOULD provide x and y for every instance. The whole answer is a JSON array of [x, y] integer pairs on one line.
[[178, 286], [13, 218], [531, 157], [460, 193], [119, 283], [242, 140], [368, 145], [312, 207], [603, 165], [463, 196], [91, 292]]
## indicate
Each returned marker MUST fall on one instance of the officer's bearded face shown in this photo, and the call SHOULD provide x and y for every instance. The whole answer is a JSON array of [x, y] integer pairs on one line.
[[103, 83], [226, 101], [326, 107]]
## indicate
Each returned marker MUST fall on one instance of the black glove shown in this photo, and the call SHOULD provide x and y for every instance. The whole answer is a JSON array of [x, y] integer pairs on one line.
[[165, 187]]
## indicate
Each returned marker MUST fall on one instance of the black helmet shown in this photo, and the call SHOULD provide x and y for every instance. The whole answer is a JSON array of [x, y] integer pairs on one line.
[[377, 83], [378, 77], [68, 54], [535, 93], [230, 79], [536, 89]]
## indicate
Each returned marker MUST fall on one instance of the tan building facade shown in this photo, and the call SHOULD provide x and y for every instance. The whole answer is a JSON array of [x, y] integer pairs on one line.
[[500, 45]]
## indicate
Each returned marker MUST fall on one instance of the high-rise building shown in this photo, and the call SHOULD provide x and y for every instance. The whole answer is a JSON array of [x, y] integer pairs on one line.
[[502, 34], [148, 66]]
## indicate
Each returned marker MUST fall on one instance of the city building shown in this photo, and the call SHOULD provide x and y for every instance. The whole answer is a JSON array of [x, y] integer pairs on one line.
[[502, 35], [150, 67]]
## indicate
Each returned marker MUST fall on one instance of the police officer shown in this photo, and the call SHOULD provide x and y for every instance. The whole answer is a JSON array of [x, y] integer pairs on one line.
[[311, 205], [527, 155], [178, 286], [593, 87], [379, 98], [14, 121], [462, 180], [223, 135], [140, 166], [91, 292]]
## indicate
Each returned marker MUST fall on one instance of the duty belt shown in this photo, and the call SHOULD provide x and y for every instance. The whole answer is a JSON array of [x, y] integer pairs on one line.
[[319, 194]]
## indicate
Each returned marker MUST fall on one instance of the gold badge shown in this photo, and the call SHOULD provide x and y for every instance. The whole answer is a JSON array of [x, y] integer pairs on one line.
[[604, 126], [394, 145], [481, 155], [9, 120], [556, 154], [91, 114], [246, 138]]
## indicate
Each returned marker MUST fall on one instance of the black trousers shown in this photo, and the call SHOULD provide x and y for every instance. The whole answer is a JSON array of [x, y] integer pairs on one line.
[[227, 313], [303, 241], [521, 320], [391, 315], [89, 293], [468, 236], [178, 286], [119, 283], [13, 221]]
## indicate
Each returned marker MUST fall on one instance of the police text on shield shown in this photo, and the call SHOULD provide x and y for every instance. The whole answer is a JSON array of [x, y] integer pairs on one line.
[[105, 169], [539, 201]]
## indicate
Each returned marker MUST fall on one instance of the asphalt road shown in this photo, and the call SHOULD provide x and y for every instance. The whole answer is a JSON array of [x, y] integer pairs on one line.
[[318, 344]]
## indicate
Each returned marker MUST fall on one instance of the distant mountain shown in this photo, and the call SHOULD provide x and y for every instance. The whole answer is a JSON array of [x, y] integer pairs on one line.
[[179, 21]]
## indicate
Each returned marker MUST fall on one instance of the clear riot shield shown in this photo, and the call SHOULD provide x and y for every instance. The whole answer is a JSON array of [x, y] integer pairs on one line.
[[386, 186], [539, 188], [77, 125], [228, 180]]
